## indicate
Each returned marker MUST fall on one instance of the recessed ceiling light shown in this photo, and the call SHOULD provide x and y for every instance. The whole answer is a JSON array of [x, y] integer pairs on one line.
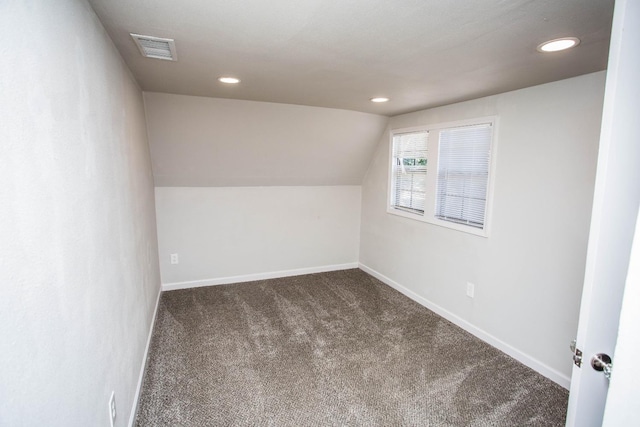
[[379, 99], [559, 44], [230, 80]]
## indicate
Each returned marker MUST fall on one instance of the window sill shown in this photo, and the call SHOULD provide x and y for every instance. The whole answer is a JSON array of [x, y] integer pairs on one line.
[[482, 232]]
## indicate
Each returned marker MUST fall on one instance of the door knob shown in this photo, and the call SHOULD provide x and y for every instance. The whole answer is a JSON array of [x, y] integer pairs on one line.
[[602, 362]]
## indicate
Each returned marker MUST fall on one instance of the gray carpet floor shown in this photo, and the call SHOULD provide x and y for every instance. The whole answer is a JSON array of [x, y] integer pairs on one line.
[[329, 349]]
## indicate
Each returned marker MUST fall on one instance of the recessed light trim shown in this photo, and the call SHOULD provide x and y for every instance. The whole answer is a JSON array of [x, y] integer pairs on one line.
[[558, 44], [229, 80], [379, 99]]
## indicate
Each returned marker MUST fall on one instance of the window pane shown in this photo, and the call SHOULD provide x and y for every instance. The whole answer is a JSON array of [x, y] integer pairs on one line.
[[409, 173], [463, 174]]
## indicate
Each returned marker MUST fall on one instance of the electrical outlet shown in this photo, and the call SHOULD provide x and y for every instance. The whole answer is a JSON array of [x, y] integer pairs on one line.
[[112, 408], [471, 289], [174, 259]]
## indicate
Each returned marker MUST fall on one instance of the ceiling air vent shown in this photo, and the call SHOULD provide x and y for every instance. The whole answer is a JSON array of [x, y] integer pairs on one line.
[[156, 47]]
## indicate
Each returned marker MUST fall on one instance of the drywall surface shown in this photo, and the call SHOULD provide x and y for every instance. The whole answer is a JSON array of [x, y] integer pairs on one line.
[[227, 232], [209, 142], [620, 409], [78, 261], [528, 273]]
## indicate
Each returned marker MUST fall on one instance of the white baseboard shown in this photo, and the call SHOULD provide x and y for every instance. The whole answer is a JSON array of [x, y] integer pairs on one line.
[[136, 397], [521, 357], [256, 276]]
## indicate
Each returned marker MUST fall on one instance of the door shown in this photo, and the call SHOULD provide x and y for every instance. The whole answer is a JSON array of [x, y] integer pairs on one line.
[[615, 209]]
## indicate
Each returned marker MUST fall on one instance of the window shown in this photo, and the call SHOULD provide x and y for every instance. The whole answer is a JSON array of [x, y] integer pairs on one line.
[[409, 170], [454, 191]]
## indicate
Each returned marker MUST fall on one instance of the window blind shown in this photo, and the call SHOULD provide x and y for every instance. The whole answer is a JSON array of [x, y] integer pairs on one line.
[[463, 174], [409, 174]]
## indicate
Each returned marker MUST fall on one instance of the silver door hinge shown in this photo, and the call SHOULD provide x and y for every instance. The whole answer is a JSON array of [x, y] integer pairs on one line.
[[577, 354]]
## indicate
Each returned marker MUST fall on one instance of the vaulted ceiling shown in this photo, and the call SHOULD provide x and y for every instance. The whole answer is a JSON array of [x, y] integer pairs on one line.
[[339, 54]]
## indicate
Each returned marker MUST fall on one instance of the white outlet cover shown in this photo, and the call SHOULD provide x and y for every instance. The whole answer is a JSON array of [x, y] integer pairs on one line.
[[174, 259], [470, 289]]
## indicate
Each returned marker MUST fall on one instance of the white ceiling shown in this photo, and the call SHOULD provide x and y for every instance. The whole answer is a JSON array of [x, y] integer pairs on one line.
[[338, 54]]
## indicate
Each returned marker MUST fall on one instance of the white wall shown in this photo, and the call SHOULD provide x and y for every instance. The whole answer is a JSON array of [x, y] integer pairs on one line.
[[79, 275], [253, 232], [529, 272], [249, 189], [210, 142], [620, 409]]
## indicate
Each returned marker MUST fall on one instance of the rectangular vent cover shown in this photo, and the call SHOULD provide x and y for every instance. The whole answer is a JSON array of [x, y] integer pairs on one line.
[[156, 47]]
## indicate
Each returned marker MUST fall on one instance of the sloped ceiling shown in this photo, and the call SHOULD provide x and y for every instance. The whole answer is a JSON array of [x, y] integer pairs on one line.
[[213, 142], [338, 54]]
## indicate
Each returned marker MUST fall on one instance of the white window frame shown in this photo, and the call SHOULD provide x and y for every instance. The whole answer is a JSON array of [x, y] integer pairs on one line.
[[432, 175]]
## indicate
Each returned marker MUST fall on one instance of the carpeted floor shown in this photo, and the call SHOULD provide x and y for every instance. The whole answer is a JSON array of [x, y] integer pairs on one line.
[[329, 349]]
